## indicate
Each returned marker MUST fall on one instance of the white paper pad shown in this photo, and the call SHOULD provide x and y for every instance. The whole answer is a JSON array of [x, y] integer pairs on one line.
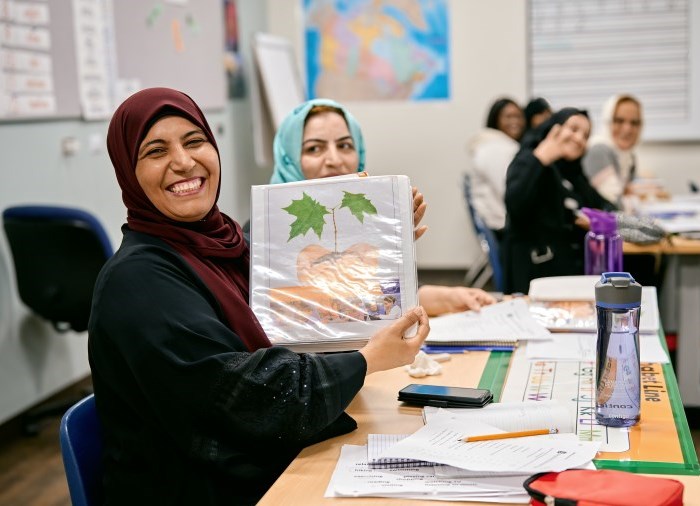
[[510, 416], [571, 347], [507, 321]]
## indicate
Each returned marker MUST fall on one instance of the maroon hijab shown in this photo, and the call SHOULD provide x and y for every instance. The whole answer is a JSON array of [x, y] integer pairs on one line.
[[213, 246]]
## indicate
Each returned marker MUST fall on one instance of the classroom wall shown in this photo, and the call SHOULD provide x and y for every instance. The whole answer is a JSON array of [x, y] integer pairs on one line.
[[35, 361], [427, 140]]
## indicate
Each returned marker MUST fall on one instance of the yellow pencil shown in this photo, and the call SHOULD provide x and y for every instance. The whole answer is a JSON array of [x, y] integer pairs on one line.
[[509, 435]]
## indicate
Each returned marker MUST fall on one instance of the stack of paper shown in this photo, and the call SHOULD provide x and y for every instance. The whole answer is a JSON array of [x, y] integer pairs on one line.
[[504, 323], [469, 471], [354, 478], [681, 214]]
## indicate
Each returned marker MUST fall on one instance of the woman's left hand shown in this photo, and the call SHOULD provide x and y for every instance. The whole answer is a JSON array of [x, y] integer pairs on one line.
[[437, 300], [419, 207]]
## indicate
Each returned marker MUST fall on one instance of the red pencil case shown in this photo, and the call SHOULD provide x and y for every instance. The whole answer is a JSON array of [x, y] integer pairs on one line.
[[584, 487]]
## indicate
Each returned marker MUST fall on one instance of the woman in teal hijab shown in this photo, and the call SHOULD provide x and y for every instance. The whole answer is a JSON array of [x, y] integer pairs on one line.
[[288, 142], [320, 138]]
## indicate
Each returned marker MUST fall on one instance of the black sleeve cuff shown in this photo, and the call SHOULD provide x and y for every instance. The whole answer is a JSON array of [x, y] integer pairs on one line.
[[350, 370]]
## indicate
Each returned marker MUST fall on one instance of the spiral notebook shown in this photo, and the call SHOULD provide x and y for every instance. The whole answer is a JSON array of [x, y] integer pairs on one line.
[[502, 324], [378, 443]]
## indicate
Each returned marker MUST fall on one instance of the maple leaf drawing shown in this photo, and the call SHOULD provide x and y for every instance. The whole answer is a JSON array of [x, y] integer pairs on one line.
[[311, 214], [358, 204]]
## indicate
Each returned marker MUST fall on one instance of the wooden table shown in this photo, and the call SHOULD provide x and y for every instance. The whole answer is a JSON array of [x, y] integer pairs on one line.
[[670, 246], [378, 412]]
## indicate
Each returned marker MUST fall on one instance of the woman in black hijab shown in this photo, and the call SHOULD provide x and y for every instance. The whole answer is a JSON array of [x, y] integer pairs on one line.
[[545, 187]]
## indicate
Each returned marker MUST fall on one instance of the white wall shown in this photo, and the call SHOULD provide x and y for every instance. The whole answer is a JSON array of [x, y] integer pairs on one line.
[[427, 140], [675, 163]]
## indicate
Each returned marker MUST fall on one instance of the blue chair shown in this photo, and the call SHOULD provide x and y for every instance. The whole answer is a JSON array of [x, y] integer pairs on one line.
[[57, 253], [81, 448], [488, 265]]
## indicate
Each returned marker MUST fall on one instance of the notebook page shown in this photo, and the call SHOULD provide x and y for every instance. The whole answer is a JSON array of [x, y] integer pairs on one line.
[[379, 443]]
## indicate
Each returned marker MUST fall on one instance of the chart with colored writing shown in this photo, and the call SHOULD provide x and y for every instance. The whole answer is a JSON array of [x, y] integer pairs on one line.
[[660, 443]]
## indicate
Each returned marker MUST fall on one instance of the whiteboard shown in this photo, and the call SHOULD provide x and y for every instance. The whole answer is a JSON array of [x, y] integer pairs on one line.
[[174, 44], [581, 53], [279, 74], [276, 90], [60, 99]]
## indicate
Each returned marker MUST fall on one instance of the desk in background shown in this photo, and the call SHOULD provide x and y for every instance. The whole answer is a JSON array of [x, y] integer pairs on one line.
[[680, 307], [378, 412]]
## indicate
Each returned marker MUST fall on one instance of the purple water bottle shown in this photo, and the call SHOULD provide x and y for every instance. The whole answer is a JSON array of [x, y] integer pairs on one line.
[[602, 244]]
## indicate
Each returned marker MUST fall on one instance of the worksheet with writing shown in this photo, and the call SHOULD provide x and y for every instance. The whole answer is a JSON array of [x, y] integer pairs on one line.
[[441, 441]]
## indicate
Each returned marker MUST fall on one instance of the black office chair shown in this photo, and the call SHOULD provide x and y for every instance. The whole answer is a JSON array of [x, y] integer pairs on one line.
[[57, 253], [488, 264]]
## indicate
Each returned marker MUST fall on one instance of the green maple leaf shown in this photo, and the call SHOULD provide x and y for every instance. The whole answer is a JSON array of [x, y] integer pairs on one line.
[[310, 216], [358, 204]]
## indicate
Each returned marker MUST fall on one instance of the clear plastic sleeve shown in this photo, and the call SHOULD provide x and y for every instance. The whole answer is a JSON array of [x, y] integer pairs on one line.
[[332, 260]]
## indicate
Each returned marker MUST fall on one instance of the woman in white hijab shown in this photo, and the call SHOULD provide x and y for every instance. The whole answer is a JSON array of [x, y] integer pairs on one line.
[[609, 163]]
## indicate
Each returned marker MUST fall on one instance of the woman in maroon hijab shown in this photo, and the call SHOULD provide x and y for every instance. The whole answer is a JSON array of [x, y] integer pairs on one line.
[[196, 406]]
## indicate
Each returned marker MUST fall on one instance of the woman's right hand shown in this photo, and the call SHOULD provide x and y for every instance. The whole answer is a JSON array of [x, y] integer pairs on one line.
[[419, 207], [550, 149], [388, 348]]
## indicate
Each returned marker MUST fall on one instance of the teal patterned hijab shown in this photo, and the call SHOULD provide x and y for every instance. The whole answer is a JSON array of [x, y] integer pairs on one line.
[[289, 136]]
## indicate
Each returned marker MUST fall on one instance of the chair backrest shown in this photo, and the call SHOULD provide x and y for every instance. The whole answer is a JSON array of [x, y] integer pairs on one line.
[[57, 253], [487, 239], [81, 447]]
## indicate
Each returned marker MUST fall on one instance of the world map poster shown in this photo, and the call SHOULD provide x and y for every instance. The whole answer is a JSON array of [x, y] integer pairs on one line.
[[377, 50]]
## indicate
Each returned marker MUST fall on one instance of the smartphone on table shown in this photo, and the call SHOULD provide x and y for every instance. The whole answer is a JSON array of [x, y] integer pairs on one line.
[[445, 397]]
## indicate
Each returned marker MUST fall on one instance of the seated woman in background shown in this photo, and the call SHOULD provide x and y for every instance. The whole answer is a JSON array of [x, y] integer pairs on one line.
[[320, 138], [609, 163], [545, 187], [195, 405], [491, 151], [537, 111]]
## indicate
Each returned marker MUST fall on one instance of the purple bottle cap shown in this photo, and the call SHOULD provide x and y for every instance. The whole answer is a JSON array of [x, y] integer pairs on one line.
[[601, 222]]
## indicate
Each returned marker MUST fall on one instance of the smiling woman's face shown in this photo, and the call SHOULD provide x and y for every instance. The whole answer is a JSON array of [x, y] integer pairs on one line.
[[512, 121], [626, 124], [178, 169], [575, 132]]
